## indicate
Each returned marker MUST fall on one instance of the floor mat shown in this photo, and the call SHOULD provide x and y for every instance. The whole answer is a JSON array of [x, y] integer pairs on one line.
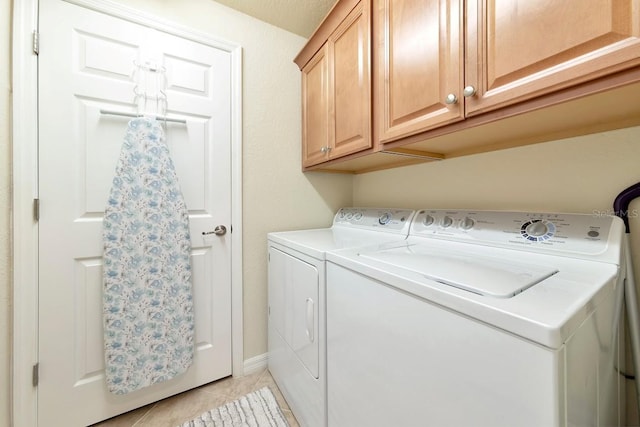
[[256, 409]]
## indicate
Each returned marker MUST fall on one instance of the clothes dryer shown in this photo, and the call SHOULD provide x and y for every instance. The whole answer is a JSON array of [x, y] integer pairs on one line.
[[479, 319], [296, 327]]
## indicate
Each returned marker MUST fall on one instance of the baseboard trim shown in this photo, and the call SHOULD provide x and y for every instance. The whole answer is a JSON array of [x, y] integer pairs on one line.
[[255, 364]]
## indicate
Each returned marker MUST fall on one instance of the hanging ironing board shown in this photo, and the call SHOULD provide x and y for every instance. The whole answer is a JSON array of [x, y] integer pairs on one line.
[[147, 302]]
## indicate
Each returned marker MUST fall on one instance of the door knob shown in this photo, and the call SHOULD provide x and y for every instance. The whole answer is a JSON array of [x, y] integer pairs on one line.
[[220, 230]]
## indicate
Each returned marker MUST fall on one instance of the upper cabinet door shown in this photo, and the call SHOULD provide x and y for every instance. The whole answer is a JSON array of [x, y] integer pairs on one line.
[[519, 49], [315, 109], [350, 118], [419, 65]]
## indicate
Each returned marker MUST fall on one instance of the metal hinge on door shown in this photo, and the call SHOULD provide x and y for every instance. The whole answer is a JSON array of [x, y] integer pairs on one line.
[[36, 209], [36, 42], [35, 374]]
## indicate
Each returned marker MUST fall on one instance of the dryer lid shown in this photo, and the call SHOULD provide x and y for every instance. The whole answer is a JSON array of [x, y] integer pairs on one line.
[[483, 275]]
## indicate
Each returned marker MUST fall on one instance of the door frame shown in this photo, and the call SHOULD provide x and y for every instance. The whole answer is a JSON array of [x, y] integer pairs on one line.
[[24, 238]]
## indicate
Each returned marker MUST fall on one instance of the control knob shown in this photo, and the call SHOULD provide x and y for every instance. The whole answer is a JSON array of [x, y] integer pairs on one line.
[[467, 223], [537, 229], [428, 220], [446, 222], [384, 219]]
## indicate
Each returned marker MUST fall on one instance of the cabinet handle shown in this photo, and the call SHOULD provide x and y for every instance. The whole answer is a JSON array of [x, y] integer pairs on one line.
[[325, 149], [310, 320], [451, 99], [469, 91]]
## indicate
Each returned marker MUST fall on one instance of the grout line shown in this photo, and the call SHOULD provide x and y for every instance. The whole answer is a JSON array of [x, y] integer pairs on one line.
[[145, 415], [262, 375]]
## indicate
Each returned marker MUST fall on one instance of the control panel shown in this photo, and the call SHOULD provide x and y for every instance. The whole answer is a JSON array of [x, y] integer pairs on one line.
[[539, 232], [392, 220]]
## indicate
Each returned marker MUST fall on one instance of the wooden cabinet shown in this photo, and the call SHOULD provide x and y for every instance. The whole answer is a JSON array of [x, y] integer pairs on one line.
[[520, 49], [336, 92], [315, 109], [429, 75], [419, 62], [454, 77]]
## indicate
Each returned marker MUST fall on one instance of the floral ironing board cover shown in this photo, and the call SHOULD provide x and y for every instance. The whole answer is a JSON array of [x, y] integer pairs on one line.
[[147, 299]]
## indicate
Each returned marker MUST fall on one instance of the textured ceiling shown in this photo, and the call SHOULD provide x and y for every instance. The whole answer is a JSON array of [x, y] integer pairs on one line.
[[298, 16]]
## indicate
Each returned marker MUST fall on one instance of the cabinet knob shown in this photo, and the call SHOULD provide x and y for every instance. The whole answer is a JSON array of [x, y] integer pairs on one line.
[[324, 150], [469, 91], [451, 99]]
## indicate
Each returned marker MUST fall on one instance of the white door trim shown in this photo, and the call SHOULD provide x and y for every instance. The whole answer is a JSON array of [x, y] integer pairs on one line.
[[25, 229], [25, 190]]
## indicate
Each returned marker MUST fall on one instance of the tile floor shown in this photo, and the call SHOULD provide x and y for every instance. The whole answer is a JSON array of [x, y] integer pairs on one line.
[[175, 410]]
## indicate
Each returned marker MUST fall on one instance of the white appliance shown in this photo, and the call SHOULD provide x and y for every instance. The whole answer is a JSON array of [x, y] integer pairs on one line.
[[478, 319], [297, 349]]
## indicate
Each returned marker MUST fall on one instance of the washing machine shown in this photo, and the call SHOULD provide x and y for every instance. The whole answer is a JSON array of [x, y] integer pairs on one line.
[[296, 325], [479, 319]]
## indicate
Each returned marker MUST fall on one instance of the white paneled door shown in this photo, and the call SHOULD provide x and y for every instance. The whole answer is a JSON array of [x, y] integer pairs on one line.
[[85, 65]]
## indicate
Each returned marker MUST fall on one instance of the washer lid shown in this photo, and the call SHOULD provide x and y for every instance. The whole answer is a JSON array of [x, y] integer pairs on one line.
[[482, 275]]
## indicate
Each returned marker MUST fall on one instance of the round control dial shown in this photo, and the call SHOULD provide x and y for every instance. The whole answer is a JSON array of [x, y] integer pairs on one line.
[[537, 230], [384, 219], [467, 223], [428, 220], [446, 222]]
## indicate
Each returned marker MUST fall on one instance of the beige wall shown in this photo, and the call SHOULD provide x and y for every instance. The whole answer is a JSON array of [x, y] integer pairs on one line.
[[581, 174], [5, 210]]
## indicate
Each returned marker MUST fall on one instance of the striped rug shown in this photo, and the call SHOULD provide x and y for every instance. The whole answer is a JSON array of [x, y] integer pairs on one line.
[[256, 409]]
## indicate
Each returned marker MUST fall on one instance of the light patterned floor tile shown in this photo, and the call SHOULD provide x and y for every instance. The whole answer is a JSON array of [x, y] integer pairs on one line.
[[178, 409], [288, 415], [233, 386], [183, 407]]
